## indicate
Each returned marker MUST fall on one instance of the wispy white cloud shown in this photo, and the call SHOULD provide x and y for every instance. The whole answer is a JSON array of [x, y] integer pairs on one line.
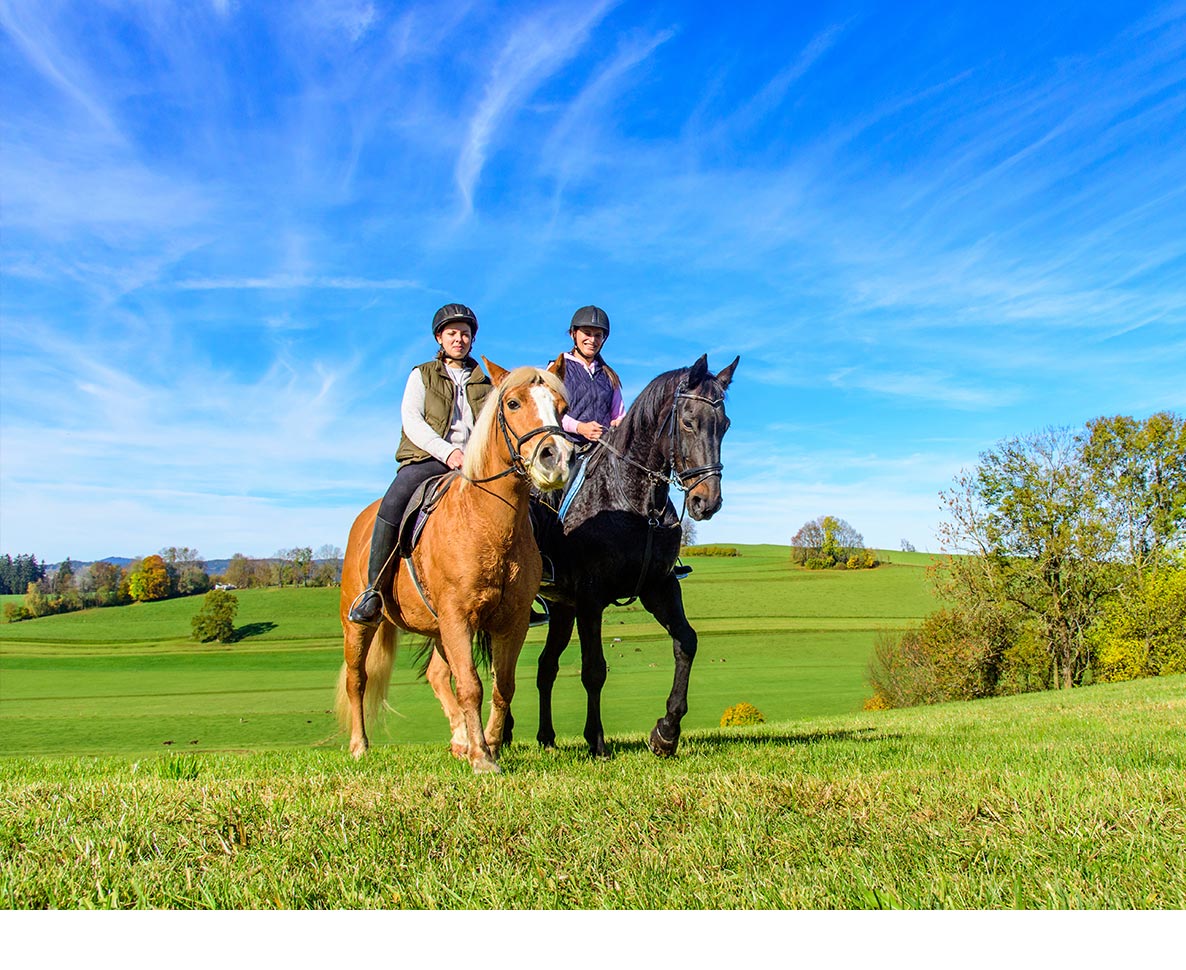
[[535, 49], [288, 282]]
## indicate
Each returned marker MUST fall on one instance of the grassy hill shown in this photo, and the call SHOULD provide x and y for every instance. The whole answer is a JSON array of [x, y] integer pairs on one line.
[[1059, 800], [128, 680], [144, 770]]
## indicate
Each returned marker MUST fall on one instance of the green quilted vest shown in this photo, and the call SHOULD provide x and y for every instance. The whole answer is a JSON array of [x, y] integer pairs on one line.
[[438, 403]]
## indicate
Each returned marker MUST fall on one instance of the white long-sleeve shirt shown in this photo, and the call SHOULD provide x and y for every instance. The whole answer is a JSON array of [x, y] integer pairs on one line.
[[417, 429]]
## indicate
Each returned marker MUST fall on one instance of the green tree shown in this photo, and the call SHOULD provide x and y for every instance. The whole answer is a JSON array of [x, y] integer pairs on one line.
[[1140, 469], [149, 580], [1035, 536], [64, 578], [216, 619], [1144, 634], [826, 541]]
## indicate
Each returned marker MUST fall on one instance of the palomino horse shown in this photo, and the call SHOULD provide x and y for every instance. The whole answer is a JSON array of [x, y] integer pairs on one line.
[[619, 537], [475, 569]]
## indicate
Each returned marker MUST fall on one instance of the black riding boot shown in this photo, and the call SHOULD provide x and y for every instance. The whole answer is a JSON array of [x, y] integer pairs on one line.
[[369, 605]]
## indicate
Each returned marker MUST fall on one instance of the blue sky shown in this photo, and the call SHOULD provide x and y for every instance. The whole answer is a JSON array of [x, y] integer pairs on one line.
[[226, 226]]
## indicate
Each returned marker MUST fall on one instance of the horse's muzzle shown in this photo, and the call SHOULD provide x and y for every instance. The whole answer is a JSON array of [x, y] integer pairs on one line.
[[550, 462], [704, 501]]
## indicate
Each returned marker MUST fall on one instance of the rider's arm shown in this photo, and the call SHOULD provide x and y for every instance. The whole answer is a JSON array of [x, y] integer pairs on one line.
[[617, 409], [415, 427]]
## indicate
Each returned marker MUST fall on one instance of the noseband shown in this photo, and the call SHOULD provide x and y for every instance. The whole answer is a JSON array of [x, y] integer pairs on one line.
[[677, 477]]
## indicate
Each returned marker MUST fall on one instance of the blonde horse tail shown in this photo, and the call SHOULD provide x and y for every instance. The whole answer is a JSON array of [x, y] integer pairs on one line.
[[380, 662]]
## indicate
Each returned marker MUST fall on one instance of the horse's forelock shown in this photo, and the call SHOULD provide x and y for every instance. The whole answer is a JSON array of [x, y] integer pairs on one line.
[[485, 422]]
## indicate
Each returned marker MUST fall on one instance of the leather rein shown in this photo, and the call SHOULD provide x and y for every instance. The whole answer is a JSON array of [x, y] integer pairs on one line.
[[670, 476], [518, 466]]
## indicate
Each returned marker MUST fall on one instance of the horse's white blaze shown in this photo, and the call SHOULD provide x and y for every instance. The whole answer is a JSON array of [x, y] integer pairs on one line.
[[545, 407]]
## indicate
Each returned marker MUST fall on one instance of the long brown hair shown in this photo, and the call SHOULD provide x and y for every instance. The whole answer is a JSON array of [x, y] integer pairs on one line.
[[557, 368]]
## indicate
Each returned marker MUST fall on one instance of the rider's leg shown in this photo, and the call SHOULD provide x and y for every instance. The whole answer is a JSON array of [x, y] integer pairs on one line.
[[369, 604]]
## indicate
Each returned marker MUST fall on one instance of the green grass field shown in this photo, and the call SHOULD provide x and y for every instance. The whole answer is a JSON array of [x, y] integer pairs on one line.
[[128, 680], [143, 770]]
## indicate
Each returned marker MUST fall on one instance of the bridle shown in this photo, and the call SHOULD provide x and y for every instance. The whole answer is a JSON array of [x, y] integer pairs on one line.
[[671, 474], [519, 465]]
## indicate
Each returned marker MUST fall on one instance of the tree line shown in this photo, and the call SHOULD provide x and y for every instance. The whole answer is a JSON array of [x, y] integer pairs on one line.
[[174, 571], [1066, 565]]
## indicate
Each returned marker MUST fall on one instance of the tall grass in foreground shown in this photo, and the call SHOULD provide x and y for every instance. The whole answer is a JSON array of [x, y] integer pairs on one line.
[[1074, 799]]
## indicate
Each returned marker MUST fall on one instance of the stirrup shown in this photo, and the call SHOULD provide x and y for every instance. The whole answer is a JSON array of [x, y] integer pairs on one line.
[[538, 618], [367, 607], [681, 571], [548, 580]]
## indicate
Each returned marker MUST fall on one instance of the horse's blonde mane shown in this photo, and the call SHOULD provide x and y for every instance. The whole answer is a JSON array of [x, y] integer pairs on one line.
[[486, 423]]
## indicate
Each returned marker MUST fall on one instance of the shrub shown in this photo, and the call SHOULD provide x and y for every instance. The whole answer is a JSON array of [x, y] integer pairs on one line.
[[215, 620], [715, 551], [952, 656], [741, 715], [15, 612], [1143, 634]]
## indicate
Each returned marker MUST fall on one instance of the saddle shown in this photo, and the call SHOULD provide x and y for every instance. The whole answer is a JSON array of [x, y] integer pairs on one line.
[[421, 505]]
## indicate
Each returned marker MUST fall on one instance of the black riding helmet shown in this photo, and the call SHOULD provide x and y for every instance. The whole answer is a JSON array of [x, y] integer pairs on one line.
[[590, 316], [454, 313]]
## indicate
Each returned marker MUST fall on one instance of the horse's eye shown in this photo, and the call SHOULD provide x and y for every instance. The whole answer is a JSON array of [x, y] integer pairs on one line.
[[686, 423], [512, 405]]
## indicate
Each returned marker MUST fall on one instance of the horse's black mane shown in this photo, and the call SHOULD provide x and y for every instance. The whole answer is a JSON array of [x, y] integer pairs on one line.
[[652, 407]]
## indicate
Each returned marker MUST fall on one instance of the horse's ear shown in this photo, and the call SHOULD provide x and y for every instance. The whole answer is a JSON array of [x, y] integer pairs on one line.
[[725, 376], [496, 373], [556, 367], [698, 371]]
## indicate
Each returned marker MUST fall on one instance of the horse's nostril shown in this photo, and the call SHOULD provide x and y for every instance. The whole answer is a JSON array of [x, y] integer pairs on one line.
[[548, 456]]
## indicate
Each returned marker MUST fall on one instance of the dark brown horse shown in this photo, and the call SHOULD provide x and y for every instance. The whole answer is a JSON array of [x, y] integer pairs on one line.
[[475, 568], [619, 537]]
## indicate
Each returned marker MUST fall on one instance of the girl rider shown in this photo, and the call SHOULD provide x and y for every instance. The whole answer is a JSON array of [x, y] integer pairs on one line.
[[594, 390], [442, 399]]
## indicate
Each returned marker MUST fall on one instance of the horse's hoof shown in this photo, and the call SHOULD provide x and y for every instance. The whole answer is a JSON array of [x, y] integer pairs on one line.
[[460, 751], [660, 746], [486, 767], [358, 749]]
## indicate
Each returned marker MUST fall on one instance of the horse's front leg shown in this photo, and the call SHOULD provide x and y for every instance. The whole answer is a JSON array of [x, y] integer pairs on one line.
[[456, 638], [593, 672], [666, 604], [505, 649], [560, 620]]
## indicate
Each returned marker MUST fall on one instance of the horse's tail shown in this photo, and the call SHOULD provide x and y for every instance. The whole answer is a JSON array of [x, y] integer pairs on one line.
[[481, 648], [380, 661]]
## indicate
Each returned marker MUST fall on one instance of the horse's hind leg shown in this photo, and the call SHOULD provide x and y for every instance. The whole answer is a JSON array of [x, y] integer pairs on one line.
[[560, 621], [666, 604], [440, 677]]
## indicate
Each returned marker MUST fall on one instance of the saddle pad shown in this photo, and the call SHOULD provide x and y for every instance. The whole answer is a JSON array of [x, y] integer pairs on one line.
[[422, 503]]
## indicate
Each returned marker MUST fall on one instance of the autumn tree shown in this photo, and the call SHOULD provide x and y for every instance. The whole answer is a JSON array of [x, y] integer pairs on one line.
[[100, 584], [149, 580]]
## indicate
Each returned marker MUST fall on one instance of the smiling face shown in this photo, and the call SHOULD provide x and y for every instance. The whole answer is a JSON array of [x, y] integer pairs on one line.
[[455, 340], [588, 341]]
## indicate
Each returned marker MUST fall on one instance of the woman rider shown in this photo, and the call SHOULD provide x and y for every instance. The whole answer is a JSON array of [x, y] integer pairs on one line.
[[594, 390], [442, 399]]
